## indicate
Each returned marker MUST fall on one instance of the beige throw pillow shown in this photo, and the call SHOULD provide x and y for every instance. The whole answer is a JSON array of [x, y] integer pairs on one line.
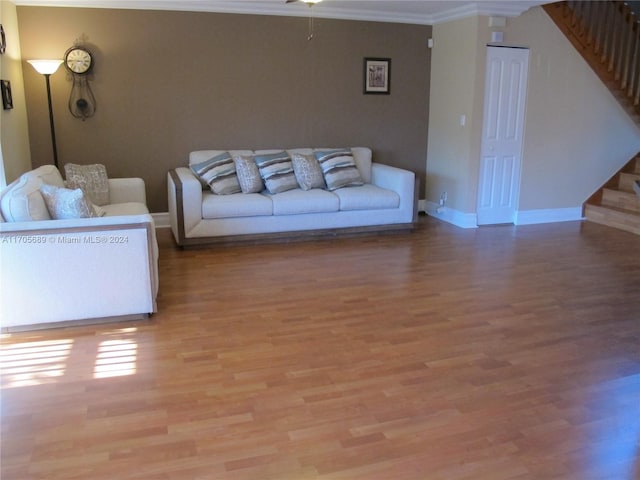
[[64, 203], [248, 174], [92, 179], [308, 172]]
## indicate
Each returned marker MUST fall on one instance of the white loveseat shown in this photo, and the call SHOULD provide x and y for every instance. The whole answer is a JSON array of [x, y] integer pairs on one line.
[[385, 202], [53, 272]]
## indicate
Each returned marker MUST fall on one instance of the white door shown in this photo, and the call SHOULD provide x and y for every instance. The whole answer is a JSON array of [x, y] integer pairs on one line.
[[502, 131]]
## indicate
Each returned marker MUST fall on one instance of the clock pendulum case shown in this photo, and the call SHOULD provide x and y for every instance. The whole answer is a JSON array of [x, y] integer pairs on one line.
[[79, 62]]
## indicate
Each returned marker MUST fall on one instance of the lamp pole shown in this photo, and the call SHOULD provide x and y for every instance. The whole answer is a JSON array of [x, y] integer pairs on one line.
[[47, 68], [53, 128]]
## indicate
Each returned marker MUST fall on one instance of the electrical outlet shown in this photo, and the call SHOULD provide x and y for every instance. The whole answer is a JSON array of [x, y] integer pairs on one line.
[[443, 199]]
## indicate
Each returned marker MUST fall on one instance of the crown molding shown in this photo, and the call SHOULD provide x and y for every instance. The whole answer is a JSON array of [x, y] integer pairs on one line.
[[321, 10]]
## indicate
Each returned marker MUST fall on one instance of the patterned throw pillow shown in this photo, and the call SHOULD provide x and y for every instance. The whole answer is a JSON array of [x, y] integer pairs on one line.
[[92, 179], [339, 168], [308, 172], [219, 173], [248, 174], [276, 170], [64, 203]]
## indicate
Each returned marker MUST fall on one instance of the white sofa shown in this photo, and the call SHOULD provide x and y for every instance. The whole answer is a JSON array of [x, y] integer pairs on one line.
[[56, 272], [385, 202]]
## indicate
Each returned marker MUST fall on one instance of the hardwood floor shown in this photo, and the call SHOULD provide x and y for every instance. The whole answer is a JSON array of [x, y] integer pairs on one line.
[[490, 354]]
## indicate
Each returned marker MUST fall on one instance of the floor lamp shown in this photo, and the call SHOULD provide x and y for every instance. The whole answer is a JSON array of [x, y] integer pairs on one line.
[[48, 68]]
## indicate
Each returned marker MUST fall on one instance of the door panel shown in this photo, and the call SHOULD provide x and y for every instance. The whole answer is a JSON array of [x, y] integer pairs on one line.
[[502, 133]]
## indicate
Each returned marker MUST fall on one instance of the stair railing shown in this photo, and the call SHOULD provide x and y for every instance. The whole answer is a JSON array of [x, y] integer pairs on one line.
[[610, 30]]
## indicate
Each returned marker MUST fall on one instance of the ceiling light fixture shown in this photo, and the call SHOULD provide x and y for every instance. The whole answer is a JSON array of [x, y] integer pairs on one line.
[[311, 3]]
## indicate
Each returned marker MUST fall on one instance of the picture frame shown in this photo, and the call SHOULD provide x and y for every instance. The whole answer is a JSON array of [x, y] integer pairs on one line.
[[3, 40], [377, 76], [7, 98]]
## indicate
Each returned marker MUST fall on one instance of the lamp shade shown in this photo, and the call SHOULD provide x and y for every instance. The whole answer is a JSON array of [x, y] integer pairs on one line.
[[45, 67]]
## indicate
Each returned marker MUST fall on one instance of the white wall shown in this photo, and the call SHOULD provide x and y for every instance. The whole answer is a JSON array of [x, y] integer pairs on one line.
[[576, 134], [14, 133]]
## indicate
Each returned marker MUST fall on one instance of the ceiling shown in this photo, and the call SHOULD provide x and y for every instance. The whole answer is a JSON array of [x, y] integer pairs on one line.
[[422, 12]]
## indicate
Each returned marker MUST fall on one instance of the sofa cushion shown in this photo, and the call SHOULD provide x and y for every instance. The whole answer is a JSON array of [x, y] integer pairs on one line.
[[128, 208], [49, 174], [64, 203], [219, 172], [367, 197], [22, 201], [308, 172], [301, 151], [339, 168], [362, 157], [276, 171], [92, 179], [237, 205], [299, 201], [248, 174], [199, 156]]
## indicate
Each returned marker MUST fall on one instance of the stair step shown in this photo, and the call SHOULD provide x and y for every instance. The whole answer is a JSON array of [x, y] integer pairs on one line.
[[626, 181], [621, 199], [621, 218]]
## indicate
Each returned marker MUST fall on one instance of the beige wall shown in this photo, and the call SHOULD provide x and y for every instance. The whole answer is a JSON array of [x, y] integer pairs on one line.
[[167, 83], [451, 152], [576, 135], [14, 135]]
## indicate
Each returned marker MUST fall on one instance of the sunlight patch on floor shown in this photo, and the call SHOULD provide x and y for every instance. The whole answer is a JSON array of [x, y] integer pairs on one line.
[[116, 358], [33, 363]]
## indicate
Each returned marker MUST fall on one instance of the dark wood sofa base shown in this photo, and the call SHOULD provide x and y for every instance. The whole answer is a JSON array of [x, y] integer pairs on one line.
[[295, 236]]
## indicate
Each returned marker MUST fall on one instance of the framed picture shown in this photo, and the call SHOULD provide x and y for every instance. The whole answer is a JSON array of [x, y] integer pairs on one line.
[[377, 76], [3, 40], [7, 99]]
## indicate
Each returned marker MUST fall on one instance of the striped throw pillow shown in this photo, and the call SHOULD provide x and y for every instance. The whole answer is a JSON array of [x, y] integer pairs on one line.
[[276, 170], [219, 173], [339, 168]]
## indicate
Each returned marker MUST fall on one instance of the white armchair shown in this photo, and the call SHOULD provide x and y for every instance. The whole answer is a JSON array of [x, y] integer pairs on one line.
[[53, 272]]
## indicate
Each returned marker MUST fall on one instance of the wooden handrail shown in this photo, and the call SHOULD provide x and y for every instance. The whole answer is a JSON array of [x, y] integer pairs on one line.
[[608, 33]]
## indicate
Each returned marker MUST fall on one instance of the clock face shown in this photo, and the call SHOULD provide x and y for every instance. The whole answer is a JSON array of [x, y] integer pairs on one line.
[[78, 60]]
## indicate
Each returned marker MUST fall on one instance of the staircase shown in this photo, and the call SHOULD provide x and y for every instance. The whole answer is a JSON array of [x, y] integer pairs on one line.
[[607, 35], [616, 204]]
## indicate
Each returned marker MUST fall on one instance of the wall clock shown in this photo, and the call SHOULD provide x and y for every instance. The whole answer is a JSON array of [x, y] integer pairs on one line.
[[79, 62]]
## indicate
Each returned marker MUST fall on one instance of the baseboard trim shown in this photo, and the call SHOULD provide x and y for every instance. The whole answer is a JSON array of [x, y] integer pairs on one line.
[[449, 215], [551, 215], [523, 217], [161, 219], [76, 323]]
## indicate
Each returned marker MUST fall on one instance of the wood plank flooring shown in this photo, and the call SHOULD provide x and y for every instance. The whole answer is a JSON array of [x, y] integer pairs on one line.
[[501, 353]]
